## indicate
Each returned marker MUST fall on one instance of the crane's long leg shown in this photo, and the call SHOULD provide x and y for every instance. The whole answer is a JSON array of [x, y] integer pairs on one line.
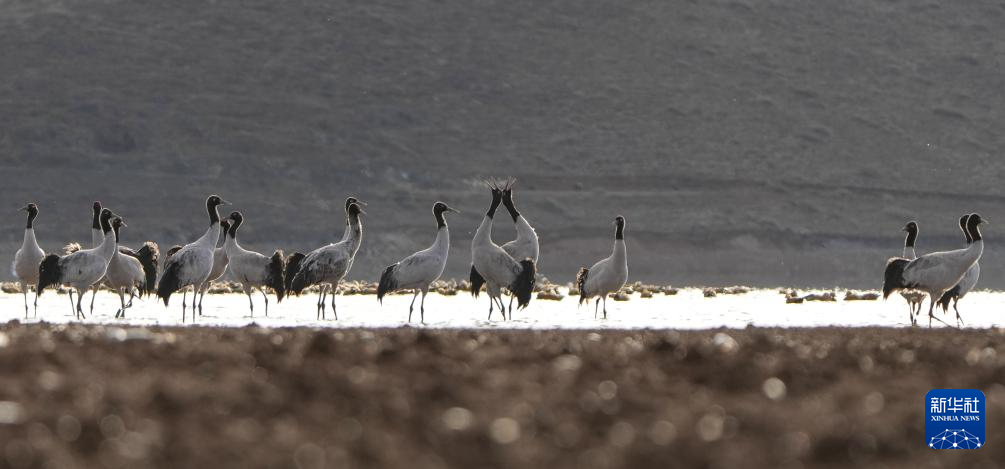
[[334, 288], [321, 300], [195, 289], [94, 293], [412, 306], [24, 289], [910, 311], [422, 307], [35, 313], [202, 295], [495, 300], [596, 305], [931, 307], [122, 301], [958, 318], [605, 306], [266, 301], [251, 304], [511, 296], [80, 311], [72, 304]]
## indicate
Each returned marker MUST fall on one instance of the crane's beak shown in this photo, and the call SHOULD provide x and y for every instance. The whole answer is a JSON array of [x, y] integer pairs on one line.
[[23, 209], [451, 209], [360, 203], [224, 202]]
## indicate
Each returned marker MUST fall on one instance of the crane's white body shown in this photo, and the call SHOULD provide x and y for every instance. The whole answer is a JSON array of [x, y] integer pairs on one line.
[[493, 263], [25, 266], [248, 267], [419, 270], [328, 265]]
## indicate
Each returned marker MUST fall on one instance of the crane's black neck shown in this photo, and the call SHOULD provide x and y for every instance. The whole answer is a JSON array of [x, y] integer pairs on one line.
[[96, 220], [441, 222], [620, 234], [912, 237], [508, 202], [349, 201], [496, 198], [115, 229], [32, 213], [973, 226], [106, 227], [234, 225], [214, 215], [963, 226]]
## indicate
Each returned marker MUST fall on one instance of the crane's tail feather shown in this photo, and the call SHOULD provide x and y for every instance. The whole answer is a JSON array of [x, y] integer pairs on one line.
[[581, 277], [477, 281], [170, 281], [387, 283], [71, 248], [523, 286], [894, 276], [275, 278], [49, 273], [148, 255], [949, 296], [292, 268]]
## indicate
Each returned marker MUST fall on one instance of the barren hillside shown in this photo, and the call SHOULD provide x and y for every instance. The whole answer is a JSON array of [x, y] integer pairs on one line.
[[759, 143]]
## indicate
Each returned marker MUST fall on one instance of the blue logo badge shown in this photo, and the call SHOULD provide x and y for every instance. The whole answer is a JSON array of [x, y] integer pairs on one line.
[[954, 419]]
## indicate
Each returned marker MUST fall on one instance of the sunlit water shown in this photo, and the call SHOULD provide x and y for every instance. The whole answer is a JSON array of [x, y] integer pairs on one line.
[[687, 310]]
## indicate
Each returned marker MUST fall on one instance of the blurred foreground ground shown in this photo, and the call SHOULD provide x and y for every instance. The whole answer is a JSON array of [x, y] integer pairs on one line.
[[100, 396]]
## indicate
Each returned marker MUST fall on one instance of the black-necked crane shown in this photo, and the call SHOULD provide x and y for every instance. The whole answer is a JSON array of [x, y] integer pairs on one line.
[[220, 262], [525, 246], [82, 269], [131, 272], [28, 258], [914, 298], [255, 271], [937, 272], [608, 275], [968, 282], [192, 264], [497, 268], [418, 271], [97, 237], [328, 265], [293, 261]]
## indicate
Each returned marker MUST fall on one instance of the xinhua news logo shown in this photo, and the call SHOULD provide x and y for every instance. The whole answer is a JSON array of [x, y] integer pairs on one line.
[[954, 419]]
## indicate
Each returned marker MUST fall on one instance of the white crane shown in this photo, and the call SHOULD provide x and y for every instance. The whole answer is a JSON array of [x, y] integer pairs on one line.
[[497, 267], [328, 265], [82, 269], [131, 271], [27, 259], [936, 272], [294, 260], [608, 275], [968, 282], [255, 271], [418, 271], [192, 264]]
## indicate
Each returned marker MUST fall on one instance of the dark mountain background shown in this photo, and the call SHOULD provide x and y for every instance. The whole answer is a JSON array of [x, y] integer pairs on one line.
[[760, 143]]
